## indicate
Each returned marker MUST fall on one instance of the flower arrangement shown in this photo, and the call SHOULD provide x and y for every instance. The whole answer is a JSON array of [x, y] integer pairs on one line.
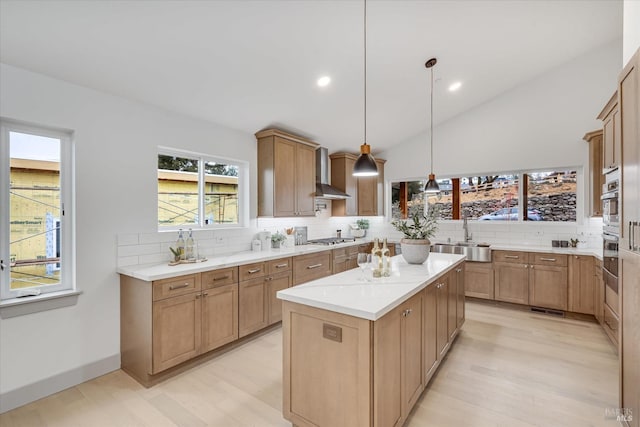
[[419, 226], [363, 224], [276, 239]]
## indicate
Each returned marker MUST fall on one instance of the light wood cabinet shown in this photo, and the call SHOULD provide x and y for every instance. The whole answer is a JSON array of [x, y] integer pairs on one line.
[[430, 337], [252, 306], [219, 316], [478, 280], [279, 277], [342, 178], [442, 324], [365, 192], [286, 174], [177, 330], [511, 277], [596, 164], [582, 289], [460, 309], [312, 266], [611, 142], [344, 259], [548, 280], [598, 308], [629, 263], [452, 305], [411, 352]]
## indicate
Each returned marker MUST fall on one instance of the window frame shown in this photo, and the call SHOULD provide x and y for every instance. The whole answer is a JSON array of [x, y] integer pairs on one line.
[[580, 202], [67, 205], [243, 189]]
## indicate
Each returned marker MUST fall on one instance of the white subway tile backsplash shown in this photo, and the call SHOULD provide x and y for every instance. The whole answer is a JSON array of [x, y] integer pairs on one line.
[[154, 258], [127, 260], [127, 239], [124, 251]]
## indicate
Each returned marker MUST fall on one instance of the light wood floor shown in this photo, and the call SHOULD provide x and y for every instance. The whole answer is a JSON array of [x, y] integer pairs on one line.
[[507, 368]]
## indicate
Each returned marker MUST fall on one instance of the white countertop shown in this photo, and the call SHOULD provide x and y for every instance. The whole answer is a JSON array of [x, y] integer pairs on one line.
[[150, 272], [347, 293]]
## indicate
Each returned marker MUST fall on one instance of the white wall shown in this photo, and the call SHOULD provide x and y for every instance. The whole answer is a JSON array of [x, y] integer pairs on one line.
[[116, 145], [539, 124], [630, 29]]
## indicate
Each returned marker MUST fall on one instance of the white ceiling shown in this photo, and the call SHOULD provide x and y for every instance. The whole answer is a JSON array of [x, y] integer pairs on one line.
[[253, 64]]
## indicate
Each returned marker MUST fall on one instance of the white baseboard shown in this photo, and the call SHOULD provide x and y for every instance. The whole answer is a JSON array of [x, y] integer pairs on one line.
[[48, 386]]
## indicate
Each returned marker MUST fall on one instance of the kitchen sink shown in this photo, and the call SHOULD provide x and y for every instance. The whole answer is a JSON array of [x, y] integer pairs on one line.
[[473, 251]]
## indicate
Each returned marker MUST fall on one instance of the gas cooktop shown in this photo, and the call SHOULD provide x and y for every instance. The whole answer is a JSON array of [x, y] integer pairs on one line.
[[331, 240]]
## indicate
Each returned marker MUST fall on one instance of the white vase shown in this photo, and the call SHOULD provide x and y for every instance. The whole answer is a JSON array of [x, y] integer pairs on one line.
[[415, 251]]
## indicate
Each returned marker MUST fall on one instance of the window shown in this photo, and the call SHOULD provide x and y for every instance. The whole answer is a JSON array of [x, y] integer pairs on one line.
[[35, 199], [197, 190], [549, 195]]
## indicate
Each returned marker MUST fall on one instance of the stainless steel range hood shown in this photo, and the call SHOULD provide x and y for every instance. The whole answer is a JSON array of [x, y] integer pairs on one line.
[[323, 189]]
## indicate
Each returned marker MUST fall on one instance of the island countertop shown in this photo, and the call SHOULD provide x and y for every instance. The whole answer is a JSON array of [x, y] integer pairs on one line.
[[347, 293]]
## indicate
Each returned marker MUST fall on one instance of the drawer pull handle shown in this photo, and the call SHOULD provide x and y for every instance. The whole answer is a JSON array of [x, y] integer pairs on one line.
[[221, 278], [310, 267], [174, 287], [282, 265], [512, 256], [256, 270], [548, 259]]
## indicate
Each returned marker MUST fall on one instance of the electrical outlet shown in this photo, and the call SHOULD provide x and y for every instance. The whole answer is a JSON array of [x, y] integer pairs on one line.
[[219, 241]]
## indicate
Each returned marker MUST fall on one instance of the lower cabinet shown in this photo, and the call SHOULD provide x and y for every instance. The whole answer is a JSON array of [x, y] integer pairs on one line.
[[548, 286], [511, 282], [219, 316], [312, 266], [478, 280], [442, 309], [430, 331], [344, 259], [252, 306], [598, 306], [275, 283], [582, 290], [460, 274]]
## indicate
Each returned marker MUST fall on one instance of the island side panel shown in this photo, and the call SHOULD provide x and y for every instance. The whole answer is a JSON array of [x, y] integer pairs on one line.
[[326, 367]]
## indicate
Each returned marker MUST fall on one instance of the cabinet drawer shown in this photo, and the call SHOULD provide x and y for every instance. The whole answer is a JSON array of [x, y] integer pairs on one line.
[[278, 265], [610, 324], [251, 271], [511, 256], [548, 259], [173, 286], [311, 267], [224, 276]]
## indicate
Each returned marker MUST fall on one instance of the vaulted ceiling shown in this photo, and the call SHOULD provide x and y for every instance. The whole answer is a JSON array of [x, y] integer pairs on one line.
[[254, 64]]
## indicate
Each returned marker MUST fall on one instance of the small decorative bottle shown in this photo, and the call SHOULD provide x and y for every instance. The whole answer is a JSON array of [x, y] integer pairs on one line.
[[180, 245], [386, 259], [376, 259], [189, 246]]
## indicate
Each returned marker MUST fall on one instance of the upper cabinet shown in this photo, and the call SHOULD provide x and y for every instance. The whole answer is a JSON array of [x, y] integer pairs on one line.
[[612, 147], [596, 177], [286, 174], [366, 192]]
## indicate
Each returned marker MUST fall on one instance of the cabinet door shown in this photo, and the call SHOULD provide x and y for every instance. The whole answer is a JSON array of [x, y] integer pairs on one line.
[[219, 316], [368, 195], [430, 316], [312, 266], [284, 176], [412, 379], [582, 291], [387, 374], [610, 130], [342, 178], [478, 280], [177, 330], [452, 310], [548, 286], [511, 282], [599, 292], [276, 283], [460, 309], [252, 310], [443, 317], [630, 335], [305, 183]]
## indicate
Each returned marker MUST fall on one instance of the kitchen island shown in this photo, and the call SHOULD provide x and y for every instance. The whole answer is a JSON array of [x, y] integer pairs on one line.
[[360, 353]]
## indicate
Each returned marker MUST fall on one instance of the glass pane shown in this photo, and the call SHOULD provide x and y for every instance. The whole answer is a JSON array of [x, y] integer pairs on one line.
[[177, 191], [34, 206], [490, 198], [221, 194], [551, 196], [406, 197], [444, 201]]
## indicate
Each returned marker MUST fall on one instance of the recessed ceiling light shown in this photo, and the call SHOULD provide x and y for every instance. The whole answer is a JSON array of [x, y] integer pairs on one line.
[[455, 86], [324, 81]]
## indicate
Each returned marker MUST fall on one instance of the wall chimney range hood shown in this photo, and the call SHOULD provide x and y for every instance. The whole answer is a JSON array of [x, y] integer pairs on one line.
[[323, 189]]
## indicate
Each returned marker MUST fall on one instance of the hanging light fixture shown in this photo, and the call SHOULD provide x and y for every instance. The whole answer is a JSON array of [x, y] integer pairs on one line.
[[365, 164], [432, 186]]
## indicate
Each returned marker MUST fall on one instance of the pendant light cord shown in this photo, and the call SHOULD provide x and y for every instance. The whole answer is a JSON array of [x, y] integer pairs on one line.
[[431, 122], [365, 72]]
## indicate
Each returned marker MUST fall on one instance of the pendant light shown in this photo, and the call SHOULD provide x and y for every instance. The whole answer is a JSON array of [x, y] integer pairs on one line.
[[365, 165], [432, 186]]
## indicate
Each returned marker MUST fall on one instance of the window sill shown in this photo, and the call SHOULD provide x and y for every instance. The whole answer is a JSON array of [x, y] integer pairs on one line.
[[20, 306]]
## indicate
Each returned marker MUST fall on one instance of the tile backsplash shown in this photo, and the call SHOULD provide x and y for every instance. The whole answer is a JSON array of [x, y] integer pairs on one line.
[[150, 248]]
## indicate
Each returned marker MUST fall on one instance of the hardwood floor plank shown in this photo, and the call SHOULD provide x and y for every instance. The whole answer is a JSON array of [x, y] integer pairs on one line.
[[507, 368]]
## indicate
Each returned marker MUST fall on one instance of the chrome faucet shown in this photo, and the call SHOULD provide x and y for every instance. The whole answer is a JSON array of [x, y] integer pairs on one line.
[[465, 225]]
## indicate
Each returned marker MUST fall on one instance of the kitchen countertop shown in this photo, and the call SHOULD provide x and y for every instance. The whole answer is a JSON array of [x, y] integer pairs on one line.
[[150, 272], [347, 293]]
